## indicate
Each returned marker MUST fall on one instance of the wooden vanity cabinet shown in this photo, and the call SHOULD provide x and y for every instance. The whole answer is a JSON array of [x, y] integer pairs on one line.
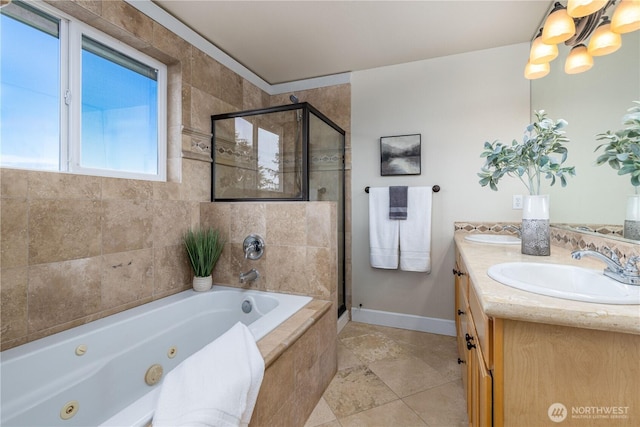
[[473, 335], [513, 371]]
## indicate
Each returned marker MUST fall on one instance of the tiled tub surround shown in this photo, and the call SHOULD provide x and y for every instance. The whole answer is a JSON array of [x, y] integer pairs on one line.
[[300, 361], [300, 256], [77, 248]]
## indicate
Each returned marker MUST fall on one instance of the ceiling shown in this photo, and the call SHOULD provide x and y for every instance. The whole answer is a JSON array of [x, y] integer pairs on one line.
[[284, 41]]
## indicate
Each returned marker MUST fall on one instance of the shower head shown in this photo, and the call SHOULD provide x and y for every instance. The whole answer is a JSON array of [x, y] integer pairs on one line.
[[294, 99]]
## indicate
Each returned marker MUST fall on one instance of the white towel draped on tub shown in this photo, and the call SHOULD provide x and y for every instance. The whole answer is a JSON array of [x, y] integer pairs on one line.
[[412, 235], [217, 386]]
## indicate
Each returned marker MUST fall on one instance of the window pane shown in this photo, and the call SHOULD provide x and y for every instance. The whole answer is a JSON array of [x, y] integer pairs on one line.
[[119, 112], [29, 92]]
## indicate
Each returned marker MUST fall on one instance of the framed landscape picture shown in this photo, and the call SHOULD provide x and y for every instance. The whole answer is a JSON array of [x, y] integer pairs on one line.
[[400, 155]]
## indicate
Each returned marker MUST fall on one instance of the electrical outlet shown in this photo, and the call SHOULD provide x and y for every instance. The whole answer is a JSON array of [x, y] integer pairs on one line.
[[517, 201]]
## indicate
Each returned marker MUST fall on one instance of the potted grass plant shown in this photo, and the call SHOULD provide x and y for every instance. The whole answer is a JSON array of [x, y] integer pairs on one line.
[[204, 247], [540, 155], [622, 153]]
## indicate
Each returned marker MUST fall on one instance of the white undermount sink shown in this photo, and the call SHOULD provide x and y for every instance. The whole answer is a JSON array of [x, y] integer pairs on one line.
[[564, 281], [495, 239]]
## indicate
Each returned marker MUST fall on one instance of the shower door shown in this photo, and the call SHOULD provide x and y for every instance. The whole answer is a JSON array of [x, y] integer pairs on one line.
[[326, 182]]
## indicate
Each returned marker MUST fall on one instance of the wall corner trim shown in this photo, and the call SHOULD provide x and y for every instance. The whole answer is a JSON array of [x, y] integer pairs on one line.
[[404, 321]]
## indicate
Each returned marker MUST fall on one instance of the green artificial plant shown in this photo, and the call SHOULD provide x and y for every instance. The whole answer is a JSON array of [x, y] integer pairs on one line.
[[541, 154], [204, 248], [622, 151]]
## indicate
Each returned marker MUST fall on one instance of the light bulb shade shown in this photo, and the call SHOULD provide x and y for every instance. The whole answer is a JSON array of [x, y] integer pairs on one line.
[[580, 8], [578, 60], [558, 27], [626, 17], [541, 52], [536, 71], [604, 41]]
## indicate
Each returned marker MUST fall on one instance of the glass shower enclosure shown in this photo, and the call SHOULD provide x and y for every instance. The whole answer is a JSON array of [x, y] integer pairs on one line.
[[285, 153]]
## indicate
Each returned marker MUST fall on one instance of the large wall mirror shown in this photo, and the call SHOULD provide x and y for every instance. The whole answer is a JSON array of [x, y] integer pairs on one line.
[[591, 102]]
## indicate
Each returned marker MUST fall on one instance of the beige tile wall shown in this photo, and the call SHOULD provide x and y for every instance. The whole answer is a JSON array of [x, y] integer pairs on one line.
[[77, 248], [335, 103], [300, 255]]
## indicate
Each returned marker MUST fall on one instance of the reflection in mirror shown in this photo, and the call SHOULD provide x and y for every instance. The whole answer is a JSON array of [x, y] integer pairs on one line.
[[592, 102], [600, 230]]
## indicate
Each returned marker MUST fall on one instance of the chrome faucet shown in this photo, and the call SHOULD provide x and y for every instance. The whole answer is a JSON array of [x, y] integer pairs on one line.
[[250, 249], [249, 276], [513, 228], [253, 247], [627, 273]]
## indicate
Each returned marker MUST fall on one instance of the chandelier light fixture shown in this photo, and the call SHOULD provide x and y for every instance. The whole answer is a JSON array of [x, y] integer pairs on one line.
[[573, 25]]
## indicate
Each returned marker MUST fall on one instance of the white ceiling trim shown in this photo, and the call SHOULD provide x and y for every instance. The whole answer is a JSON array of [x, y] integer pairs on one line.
[[167, 20]]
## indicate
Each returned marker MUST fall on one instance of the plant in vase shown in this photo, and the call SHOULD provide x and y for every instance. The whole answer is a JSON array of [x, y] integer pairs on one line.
[[622, 153], [540, 155], [204, 248]]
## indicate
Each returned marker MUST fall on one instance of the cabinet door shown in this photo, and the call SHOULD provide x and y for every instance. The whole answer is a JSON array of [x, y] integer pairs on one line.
[[462, 329], [485, 390], [484, 326], [465, 361], [480, 380], [481, 385]]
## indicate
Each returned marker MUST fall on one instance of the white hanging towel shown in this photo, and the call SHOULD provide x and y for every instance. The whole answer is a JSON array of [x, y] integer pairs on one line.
[[216, 386], [415, 232], [383, 232]]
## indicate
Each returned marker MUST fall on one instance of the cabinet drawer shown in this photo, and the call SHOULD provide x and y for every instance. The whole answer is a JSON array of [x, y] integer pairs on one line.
[[460, 265], [462, 297], [483, 326]]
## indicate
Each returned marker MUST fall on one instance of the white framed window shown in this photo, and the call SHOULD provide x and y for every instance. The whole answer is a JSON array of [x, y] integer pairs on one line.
[[76, 100]]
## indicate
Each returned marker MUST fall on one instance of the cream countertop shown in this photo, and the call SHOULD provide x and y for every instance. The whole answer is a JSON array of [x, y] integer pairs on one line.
[[505, 302]]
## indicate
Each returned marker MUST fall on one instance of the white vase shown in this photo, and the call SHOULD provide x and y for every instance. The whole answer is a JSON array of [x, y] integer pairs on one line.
[[202, 284], [632, 219], [535, 232]]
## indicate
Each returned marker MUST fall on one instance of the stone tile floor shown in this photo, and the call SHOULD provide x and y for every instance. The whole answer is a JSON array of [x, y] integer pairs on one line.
[[392, 377]]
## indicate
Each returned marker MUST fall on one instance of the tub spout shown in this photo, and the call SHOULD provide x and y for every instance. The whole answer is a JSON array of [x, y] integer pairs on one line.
[[249, 276]]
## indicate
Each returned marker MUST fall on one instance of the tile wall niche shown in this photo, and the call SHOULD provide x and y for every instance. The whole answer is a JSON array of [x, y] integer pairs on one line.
[[78, 248]]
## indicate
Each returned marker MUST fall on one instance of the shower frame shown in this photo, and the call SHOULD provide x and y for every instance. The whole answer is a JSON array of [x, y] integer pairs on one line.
[[307, 109]]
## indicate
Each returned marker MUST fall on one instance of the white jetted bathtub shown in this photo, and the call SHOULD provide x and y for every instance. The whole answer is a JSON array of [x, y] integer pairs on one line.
[[99, 373]]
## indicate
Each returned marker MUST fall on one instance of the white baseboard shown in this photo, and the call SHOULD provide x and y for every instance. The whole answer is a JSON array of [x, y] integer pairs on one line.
[[404, 321], [343, 320]]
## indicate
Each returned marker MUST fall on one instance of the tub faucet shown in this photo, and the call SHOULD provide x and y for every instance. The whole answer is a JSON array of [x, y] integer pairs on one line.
[[253, 247], [627, 273], [249, 276], [250, 249]]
